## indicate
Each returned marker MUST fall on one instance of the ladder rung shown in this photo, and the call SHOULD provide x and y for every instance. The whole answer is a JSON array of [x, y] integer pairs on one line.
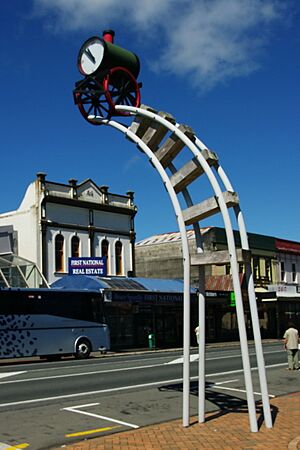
[[172, 146], [140, 124], [190, 171], [219, 257], [156, 131], [208, 208]]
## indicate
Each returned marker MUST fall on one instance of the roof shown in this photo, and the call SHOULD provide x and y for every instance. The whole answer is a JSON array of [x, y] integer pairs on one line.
[[168, 237], [18, 272], [96, 284], [221, 282], [287, 246]]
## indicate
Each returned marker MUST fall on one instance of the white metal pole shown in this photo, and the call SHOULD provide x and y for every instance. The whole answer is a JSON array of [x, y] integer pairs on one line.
[[201, 310], [186, 261], [201, 349], [256, 328], [253, 306]]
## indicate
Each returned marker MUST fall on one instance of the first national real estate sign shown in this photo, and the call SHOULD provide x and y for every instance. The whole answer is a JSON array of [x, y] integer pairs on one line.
[[88, 266]]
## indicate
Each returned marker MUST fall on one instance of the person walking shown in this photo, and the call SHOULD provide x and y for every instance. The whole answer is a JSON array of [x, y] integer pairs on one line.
[[291, 341]]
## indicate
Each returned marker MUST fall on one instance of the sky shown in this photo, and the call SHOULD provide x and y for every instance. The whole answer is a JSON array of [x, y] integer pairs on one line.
[[230, 69]]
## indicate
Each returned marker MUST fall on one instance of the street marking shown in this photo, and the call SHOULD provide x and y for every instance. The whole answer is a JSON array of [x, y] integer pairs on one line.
[[219, 383], [193, 358], [10, 374], [85, 433], [76, 409], [180, 360], [14, 447], [124, 388], [81, 374], [239, 390]]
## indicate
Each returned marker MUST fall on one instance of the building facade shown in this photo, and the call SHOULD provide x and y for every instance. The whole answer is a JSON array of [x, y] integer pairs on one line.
[[275, 267], [56, 221]]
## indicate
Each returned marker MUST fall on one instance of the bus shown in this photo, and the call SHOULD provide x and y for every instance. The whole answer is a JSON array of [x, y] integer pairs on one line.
[[51, 323]]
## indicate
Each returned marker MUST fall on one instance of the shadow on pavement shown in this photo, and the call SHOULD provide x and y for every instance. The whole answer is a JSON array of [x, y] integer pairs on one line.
[[225, 403]]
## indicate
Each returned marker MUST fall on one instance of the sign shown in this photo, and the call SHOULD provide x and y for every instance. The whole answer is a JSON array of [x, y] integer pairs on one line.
[[232, 299], [148, 297], [95, 266], [285, 290]]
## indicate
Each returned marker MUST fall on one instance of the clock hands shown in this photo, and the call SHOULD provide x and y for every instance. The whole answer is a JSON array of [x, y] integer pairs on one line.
[[89, 54]]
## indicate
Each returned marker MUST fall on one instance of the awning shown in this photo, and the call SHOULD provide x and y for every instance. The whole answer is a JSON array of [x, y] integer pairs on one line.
[[97, 284]]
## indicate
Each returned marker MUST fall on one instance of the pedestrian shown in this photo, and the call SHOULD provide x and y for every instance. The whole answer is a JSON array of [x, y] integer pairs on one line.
[[291, 341], [197, 334]]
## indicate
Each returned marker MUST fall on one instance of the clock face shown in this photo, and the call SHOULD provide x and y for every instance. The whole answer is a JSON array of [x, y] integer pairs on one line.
[[90, 56]]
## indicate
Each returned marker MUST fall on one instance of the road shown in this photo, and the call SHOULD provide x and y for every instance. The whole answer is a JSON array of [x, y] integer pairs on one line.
[[48, 404]]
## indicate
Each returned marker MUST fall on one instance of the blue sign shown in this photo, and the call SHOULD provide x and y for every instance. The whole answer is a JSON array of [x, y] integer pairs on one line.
[[88, 266]]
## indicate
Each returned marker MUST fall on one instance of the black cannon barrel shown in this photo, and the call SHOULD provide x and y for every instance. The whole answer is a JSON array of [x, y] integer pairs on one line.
[[98, 55], [115, 56]]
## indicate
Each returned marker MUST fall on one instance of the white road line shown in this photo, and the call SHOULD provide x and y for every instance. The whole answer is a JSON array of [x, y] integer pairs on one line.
[[76, 409], [81, 374], [10, 374], [193, 358], [239, 390], [225, 382], [124, 388], [180, 360]]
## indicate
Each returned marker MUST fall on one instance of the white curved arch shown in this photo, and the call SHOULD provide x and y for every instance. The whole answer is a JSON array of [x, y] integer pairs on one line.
[[196, 148], [231, 247]]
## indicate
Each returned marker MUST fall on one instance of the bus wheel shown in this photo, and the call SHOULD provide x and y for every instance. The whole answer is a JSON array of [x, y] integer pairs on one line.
[[83, 349]]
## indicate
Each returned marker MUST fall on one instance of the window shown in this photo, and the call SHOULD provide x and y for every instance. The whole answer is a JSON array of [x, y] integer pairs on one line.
[[255, 267], [118, 249], [282, 271], [75, 247], [268, 269], [294, 273], [59, 253], [104, 252]]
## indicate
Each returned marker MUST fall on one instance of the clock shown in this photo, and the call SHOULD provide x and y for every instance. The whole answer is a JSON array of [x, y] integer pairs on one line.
[[91, 55]]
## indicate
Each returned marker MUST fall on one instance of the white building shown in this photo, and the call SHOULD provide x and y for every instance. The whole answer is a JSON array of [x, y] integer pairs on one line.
[[56, 221]]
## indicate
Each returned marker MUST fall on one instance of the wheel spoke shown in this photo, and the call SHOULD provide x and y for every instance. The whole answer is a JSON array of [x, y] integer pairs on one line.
[[115, 93], [86, 101], [89, 110], [131, 97], [120, 88], [99, 111]]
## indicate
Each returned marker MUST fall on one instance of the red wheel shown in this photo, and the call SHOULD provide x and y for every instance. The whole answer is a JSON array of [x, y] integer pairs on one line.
[[90, 98], [121, 88]]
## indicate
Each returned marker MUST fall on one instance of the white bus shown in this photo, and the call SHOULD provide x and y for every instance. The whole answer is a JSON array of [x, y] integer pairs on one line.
[[51, 323]]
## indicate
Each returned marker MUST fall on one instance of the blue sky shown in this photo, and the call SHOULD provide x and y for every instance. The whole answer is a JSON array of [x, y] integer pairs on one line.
[[228, 68]]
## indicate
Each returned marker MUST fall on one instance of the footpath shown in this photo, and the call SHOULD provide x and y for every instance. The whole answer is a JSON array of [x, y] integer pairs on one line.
[[224, 430]]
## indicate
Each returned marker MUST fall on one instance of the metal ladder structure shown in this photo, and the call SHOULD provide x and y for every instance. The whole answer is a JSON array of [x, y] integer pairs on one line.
[[161, 139]]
